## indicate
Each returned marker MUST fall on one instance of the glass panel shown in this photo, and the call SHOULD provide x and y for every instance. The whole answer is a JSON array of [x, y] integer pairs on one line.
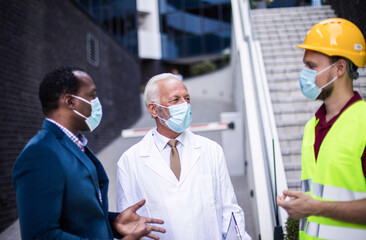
[[212, 43], [215, 2], [211, 19], [119, 17], [226, 13], [193, 24], [106, 17], [194, 46], [189, 4], [202, 28], [174, 24], [174, 5]]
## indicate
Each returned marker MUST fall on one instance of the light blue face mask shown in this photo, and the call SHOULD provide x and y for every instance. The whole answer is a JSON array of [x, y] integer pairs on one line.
[[307, 82], [96, 113], [180, 117]]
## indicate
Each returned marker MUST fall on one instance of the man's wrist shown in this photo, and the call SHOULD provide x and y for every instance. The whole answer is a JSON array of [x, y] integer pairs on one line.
[[318, 207]]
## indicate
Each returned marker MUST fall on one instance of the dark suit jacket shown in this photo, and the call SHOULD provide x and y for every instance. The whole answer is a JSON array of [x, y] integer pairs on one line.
[[57, 189]]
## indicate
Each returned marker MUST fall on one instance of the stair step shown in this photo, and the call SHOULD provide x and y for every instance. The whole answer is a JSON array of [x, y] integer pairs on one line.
[[292, 167], [283, 70], [291, 137], [303, 19], [278, 77], [279, 48], [292, 159], [287, 96], [282, 61], [291, 117], [301, 107], [289, 146], [285, 87], [270, 29], [290, 10], [276, 36], [284, 54], [293, 99], [291, 123], [292, 40], [291, 152], [294, 184]]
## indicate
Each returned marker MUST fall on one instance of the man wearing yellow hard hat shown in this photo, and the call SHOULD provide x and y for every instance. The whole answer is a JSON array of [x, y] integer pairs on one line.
[[333, 171]]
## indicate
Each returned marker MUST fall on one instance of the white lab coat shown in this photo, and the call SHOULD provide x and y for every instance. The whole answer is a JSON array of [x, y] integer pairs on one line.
[[198, 206]]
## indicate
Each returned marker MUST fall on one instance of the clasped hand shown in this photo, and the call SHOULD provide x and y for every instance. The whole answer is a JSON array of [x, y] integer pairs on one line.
[[300, 205]]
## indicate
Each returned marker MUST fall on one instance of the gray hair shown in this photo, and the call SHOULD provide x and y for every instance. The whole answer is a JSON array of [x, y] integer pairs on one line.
[[151, 90]]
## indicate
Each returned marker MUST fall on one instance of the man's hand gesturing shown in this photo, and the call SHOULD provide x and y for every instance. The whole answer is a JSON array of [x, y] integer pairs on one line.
[[131, 225]]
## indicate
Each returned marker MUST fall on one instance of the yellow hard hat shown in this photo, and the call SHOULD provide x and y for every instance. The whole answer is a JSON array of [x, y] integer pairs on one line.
[[337, 37]]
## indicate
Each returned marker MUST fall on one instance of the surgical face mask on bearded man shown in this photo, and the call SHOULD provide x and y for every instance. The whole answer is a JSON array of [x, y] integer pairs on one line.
[[307, 82], [96, 113], [180, 117]]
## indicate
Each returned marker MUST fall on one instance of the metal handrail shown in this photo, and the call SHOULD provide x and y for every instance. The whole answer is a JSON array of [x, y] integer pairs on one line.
[[259, 118]]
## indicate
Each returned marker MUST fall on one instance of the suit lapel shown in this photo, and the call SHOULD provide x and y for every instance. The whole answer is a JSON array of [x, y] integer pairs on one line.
[[102, 179], [74, 149], [82, 157]]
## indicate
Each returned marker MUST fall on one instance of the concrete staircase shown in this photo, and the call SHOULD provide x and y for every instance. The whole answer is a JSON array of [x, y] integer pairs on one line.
[[279, 30]]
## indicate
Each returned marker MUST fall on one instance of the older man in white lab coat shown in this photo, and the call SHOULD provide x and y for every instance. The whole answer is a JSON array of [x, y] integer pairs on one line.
[[187, 185]]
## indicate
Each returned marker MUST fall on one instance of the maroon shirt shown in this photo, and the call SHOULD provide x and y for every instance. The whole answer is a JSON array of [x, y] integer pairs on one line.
[[323, 127]]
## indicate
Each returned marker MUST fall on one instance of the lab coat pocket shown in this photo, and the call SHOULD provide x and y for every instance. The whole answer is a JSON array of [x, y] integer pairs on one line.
[[207, 191]]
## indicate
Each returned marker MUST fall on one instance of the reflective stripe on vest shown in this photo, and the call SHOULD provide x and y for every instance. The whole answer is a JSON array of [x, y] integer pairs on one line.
[[302, 224], [335, 193], [330, 192], [306, 185], [334, 232]]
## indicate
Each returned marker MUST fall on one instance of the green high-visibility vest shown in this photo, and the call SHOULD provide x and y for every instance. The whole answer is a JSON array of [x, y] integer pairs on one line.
[[337, 174]]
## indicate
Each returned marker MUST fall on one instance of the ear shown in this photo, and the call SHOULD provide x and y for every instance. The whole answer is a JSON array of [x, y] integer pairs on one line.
[[68, 101], [341, 67], [151, 107]]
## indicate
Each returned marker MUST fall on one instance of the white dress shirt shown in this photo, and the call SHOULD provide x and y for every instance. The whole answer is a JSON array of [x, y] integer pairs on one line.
[[199, 205], [161, 143]]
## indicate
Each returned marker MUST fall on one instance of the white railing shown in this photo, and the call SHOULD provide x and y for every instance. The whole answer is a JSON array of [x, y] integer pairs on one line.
[[254, 100]]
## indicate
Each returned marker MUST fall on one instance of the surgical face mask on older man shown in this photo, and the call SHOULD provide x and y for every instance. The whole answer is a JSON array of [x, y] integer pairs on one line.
[[180, 116]]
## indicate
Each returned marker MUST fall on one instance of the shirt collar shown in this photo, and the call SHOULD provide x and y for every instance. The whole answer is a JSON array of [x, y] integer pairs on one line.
[[320, 114], [161, 141], [79, 140]]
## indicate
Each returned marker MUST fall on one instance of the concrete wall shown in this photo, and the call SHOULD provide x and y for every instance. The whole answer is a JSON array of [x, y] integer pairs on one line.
[[35, 38]]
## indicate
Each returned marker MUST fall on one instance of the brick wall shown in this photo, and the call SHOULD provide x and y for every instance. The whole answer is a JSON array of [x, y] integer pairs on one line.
[[35, 38]]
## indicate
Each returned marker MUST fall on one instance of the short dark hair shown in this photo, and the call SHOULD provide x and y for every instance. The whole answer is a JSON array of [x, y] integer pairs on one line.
[[351, 67], [60, 81]]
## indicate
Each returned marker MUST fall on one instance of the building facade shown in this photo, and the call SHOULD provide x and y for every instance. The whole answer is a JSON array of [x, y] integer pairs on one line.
[[162, 33]]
